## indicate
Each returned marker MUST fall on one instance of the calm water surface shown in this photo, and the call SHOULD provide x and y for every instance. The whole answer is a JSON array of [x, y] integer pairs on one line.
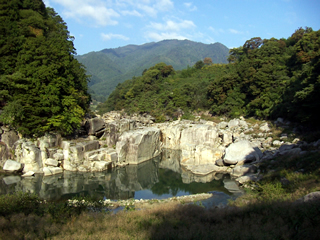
[[158, 178]]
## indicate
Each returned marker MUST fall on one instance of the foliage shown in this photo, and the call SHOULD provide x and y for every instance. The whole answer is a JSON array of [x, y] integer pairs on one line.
[[43, 87], [110, 67], [265, 78]]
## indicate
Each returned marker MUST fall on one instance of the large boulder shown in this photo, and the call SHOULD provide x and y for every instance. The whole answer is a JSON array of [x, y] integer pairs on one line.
[[12, 166], [138, 145], [27, 153], [94, 125], [241, 152]]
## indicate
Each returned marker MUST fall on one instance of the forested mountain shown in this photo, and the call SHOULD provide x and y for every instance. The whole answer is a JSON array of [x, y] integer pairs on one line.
[[265, 78], [112, 66], [42, 86]]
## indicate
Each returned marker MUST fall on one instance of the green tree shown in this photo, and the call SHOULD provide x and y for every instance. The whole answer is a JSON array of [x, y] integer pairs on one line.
[[44, 87]]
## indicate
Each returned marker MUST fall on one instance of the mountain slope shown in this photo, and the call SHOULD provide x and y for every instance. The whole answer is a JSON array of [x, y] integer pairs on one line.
[[109, 67]]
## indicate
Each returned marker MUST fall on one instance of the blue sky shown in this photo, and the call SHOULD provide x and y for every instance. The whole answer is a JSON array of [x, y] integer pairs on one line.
[[100, 24]]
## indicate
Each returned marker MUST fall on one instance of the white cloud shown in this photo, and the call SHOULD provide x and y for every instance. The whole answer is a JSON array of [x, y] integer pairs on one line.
[[172, 26], [95, 10], [235, 31], [131, 13], [165, 35], [109, 36], [190, 6], [164, 5]]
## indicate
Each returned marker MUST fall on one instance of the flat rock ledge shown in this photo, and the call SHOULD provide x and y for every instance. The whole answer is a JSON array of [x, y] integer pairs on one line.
[[145, 203]]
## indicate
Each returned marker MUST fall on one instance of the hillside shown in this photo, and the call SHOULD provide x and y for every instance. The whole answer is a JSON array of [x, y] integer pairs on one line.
[[266, 78], [109, 67]]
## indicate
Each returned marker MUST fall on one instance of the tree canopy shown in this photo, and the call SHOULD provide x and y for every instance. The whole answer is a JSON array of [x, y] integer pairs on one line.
[[265, 78], [42, 86]]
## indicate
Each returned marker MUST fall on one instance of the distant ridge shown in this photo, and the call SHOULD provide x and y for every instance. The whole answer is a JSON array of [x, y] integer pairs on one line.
[[112, 66]]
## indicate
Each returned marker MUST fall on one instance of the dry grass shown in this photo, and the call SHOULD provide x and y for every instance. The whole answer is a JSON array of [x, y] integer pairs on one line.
[[261, 221]]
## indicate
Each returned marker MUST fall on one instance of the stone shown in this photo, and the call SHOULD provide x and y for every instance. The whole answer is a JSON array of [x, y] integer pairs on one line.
[[233, 123], [94, 125], [28, 174], [51, 162], [265, 127], [241, 151], [58, 156], [238, 171], [136, 146], [9, 138], [314, 196], [28, 154], [277, 143], [222, 125], [247, 178], [204, 169], [220, 162], [12, 166], [52, 171]]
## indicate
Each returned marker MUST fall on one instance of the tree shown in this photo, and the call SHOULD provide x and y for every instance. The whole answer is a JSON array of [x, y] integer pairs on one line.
[[207, 61], [43, 87]]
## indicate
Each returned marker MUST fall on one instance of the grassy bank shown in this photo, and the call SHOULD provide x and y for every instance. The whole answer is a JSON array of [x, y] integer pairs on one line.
[[267, 211]]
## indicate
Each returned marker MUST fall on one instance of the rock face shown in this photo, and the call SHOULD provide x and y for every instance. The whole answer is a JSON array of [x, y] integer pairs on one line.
[[202, 147], [27, 153], [139, 145]]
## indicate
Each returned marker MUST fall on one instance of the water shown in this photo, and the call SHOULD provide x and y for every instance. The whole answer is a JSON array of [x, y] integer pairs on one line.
[[158, 178]]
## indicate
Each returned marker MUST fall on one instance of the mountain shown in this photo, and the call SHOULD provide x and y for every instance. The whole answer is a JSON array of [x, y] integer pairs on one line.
[[109, 67]]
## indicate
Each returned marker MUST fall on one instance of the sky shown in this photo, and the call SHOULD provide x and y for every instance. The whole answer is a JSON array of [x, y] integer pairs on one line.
[[101, 24]]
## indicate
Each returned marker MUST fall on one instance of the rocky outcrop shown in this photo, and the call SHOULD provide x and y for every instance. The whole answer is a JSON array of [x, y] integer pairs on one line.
[[115, 139], [12, 166], [138, 145]]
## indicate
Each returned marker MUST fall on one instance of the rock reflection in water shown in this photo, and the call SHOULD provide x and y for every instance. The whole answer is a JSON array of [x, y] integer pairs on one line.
[[119, 183]]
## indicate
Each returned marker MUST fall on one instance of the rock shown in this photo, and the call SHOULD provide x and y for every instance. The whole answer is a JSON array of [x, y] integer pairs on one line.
[[220, 163], [51, 162], [49, 140], [233, 123], [265, 127], [222, 125], [52, 170], [204, 169], [58, 156], [241, 151], [243, 170], [28, 154], [94, 125], [136, 146], [247, 178], [232, 186], [277, 143], [12, 166], [28, 174], [9, 138], [314, 196], [226, 137]]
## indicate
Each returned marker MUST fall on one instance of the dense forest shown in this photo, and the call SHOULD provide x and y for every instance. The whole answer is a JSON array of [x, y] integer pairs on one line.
[[111, 66], [265, 78], [42, 86]]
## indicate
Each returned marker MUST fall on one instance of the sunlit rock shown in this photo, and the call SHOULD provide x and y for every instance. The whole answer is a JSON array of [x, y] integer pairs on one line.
[[138, 145]]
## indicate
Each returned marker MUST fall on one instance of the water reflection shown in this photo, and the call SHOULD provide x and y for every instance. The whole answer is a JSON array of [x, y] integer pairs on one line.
[[160, 177]]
